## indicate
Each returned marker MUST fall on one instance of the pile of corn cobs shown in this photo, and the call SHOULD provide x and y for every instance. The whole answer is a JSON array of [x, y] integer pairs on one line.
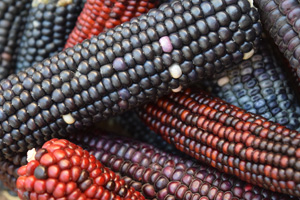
[[66, 65]]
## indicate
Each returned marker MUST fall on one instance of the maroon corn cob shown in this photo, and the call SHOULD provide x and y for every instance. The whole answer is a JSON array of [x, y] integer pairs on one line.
[[159, 175], [226, 137], [101, 15], [62, 169]]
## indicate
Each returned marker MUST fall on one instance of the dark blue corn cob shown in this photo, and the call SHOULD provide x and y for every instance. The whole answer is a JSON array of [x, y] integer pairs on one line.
[[12, 19], [260, 86], [123, 68], [159, 175], [281, 19], [46, 31]]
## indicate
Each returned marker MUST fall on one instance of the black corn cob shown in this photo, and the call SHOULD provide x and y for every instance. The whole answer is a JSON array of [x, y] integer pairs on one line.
[[228, 138], [46, 31], [260, 86], [159, 175], [281, 19], [123, 68], [12, 18]]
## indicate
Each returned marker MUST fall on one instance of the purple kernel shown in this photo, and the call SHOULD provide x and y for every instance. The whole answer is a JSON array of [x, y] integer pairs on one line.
[[162, 194], [227, 195], [237, 191], [123, 104], [124, 94], [172, 187], [181, 192], [225, 186], [212, 193], [177, 175], [119, 64], [187, 179], [248, 195], [137, 157], [161, 183], [219, 196], [210, 178], [139, 173], [167, 171], [147, 175], [204, 189], [166, 44], [194, 187], [149, 191]]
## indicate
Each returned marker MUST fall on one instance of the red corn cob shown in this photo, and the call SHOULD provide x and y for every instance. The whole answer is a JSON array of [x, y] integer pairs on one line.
[[226, 137], [101, 15], [64, 170]]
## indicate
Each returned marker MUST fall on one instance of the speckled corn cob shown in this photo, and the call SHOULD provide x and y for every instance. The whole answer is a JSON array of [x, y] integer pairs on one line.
[[123, 68], [228, 138], [12, 19], [61, 169], [101, 15], [47, 28], [281, 19], [159, 175], [260, 86]]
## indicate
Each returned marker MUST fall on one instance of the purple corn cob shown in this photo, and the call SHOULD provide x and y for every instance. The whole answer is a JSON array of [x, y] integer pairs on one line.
[[159, 175]]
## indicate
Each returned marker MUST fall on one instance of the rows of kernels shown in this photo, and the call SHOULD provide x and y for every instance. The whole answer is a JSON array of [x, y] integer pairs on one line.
[[228, 138], [47, 28], [99, 16], [260, 86], [159, 175], [12, 19], [83, 84], [62, 169]]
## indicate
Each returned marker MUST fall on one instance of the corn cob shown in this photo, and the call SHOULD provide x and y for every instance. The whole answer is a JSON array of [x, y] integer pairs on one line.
[[281, 19], [159, 175], [228, 138], [123, 68], [8, 174], [12, 15], [47, 27], [61, 169], [260, 86], [99, 16]]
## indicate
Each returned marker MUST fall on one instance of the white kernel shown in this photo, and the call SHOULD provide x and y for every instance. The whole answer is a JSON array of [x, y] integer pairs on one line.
[[31, 154], [178, 89], [223, 81], [175, 71], [251, 3], [248, 55], [69, 119]]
